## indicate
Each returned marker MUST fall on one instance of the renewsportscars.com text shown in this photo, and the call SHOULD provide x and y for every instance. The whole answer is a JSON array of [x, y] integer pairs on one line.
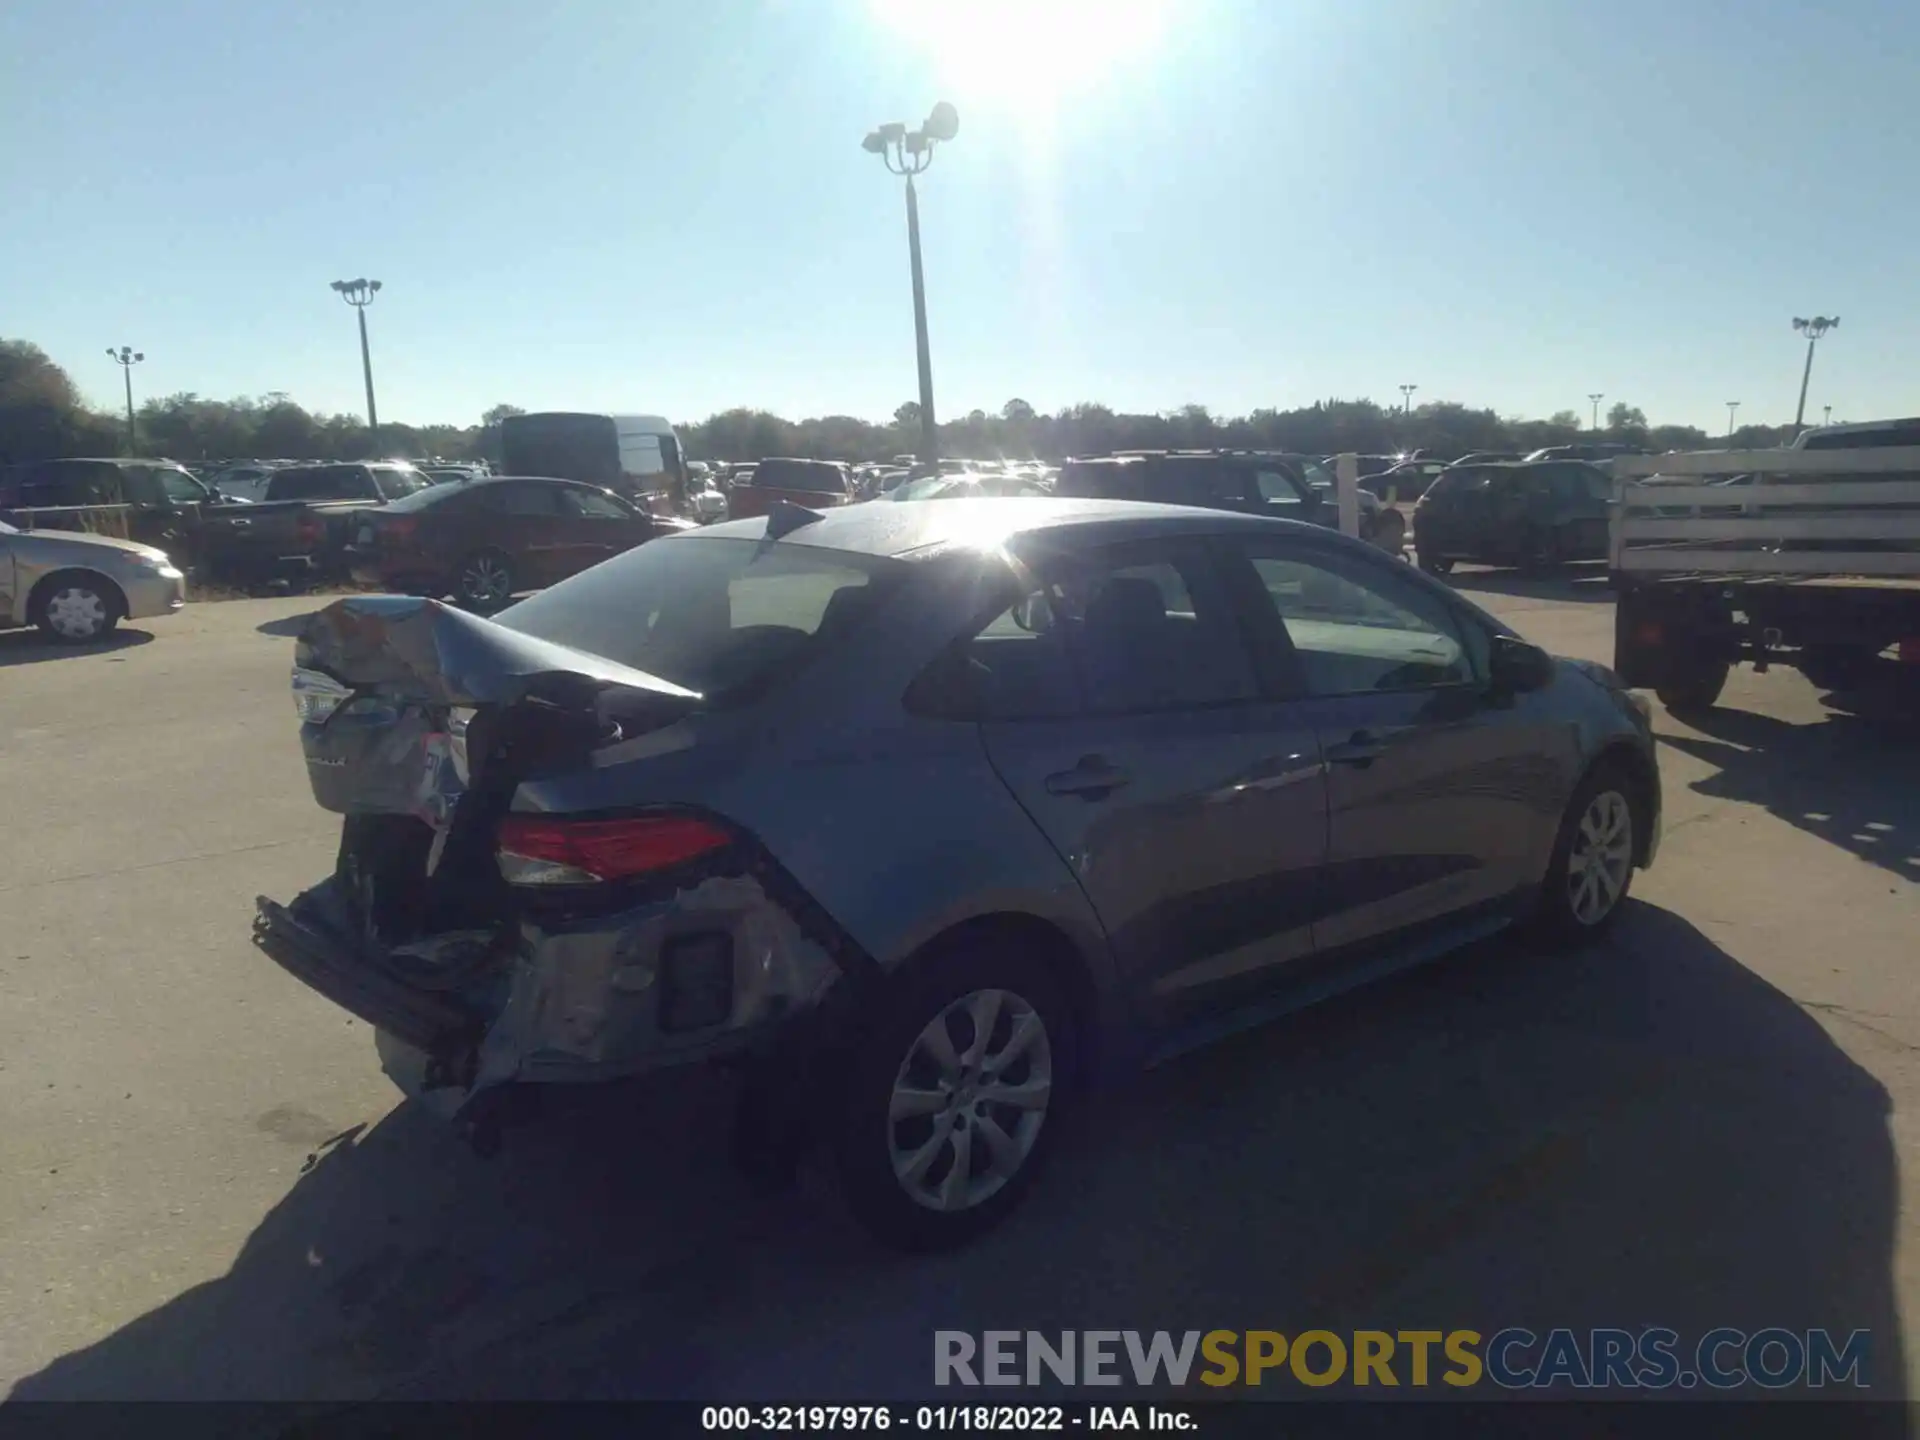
[[1513, 1358]]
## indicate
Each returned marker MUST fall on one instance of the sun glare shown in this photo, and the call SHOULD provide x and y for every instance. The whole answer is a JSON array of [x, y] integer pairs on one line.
[[1027, 55]]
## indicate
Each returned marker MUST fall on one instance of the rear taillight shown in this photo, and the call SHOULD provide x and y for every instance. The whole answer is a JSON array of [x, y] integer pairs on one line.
[[556, 850]]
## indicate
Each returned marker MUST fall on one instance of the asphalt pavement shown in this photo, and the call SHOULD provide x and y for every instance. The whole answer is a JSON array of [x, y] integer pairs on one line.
[[207, 1188]]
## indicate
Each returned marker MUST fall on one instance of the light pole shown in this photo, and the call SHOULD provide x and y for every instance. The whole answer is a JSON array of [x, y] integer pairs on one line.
[[359, 294], [126, 357], [1406, 398], [1732, 405], [1596, 397], [908, 152], [1813, 329], [1826, 414]]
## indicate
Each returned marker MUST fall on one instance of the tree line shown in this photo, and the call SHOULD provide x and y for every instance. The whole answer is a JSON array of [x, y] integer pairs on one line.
[[43, 417]]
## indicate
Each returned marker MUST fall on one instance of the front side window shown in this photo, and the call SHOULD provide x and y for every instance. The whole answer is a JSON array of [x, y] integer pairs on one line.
[[1277, 488], [1356, 628], [394, 481], [596, 505], [180, 487]]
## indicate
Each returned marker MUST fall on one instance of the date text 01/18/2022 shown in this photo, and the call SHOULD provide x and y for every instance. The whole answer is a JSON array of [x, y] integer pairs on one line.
[[942, 1419]]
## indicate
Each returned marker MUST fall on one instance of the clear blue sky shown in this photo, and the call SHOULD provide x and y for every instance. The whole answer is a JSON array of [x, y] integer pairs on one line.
[[662, 205]]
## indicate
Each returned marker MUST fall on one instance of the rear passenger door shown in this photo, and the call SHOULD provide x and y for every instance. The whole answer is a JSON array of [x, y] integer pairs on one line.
[[1122, 709], [523, 520]]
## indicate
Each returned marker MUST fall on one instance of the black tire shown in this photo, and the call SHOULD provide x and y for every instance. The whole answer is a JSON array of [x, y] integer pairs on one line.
[[1559, 919], [1435, 564], [73, 607], [484, 581], [1837, 667], [866, 1135], [1543, 555], [1698, 691]]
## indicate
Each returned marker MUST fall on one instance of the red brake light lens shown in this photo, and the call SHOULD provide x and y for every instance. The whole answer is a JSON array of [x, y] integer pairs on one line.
[[555, 850]]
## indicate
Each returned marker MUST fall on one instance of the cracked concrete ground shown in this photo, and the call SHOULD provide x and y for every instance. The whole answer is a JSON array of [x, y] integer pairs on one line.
[[208, 1189]]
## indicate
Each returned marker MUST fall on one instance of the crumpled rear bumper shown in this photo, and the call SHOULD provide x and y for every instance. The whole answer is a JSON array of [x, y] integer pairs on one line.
[[559, 1000], [330, 963]]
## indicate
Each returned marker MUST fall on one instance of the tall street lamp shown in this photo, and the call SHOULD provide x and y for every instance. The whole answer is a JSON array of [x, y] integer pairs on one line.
[[1826, 414], [908, 152], [1596, 397], [126, 357], [359, 294], [1406, 398], [1813, 329], [1732, 405]]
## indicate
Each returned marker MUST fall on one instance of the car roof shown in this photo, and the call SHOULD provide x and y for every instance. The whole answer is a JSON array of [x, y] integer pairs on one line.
[[902, 528]]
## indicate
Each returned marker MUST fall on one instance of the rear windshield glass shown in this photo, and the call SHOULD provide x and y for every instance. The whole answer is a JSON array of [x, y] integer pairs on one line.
[[314, 485], [815, 476], [722, 617]]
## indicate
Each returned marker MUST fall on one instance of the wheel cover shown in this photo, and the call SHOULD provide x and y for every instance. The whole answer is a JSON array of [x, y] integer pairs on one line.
[[484, 578], [969, 1100], [76, 612], [1600, 858]]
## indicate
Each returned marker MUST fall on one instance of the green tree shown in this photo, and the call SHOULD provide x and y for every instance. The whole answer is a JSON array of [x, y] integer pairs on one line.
[[1017, 412]]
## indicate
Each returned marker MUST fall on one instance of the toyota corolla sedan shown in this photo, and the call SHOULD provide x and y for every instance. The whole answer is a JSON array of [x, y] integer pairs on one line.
[[928, 815]]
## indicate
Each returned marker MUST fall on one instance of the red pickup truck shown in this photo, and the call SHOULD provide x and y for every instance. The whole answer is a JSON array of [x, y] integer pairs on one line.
[[815, 484]]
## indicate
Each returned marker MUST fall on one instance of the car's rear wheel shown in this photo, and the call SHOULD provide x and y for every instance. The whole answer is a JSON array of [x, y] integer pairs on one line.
[[1435, 564], [484, 580], [1697, 690], [1591, 869], [954, 1097], [75, 608]]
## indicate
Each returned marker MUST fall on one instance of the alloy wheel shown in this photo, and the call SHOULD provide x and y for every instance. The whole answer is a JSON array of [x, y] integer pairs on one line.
[[76, 613], [1600, 858], [969, 1100], [486, 581]]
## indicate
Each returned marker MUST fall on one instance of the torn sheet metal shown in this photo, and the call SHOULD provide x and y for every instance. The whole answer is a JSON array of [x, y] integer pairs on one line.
[[433, 652], [580, 1007]]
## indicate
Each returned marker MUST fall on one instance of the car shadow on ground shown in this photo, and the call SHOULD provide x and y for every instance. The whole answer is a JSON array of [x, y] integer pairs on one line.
[[288, 627], [1644, 1134], [1586, 584], [30, 647], [1846, 779]]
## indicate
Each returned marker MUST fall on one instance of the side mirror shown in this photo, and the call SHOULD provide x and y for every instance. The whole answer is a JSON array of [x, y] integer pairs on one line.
[[1517, 667], [1033, 614]]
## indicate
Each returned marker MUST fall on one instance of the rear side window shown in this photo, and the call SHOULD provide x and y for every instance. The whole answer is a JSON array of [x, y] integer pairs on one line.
[[723, 617], [814, 476], [1201, 484], [1130, 633], [523, 500], [332, 484], [1102, 481]]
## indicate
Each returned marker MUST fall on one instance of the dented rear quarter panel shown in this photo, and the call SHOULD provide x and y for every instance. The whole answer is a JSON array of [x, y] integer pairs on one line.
[[896, 825]]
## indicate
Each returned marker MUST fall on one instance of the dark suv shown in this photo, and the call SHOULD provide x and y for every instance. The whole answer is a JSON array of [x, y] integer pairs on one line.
[[1250, 482], [1534, 514]]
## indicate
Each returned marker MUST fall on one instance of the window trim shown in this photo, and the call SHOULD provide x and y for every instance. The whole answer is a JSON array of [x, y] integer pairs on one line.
[[1272, 643]]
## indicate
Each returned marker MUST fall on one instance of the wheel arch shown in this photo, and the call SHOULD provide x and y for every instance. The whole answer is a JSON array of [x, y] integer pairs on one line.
[[1623, 755]]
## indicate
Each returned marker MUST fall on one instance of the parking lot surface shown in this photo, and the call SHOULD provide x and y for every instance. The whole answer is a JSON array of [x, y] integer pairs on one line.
[[209, 1189]]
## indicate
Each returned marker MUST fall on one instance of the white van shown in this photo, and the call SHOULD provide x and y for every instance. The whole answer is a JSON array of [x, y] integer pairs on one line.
[[637, 455]]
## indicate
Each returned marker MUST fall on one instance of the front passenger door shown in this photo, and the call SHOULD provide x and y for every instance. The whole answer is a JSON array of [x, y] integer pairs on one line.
[[1440, 795]]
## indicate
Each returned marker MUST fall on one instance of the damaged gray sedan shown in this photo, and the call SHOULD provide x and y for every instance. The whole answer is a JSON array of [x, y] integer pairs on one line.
[[924, 814]]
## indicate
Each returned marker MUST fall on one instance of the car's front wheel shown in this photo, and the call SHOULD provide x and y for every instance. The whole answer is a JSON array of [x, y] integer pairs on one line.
[[1593, 856], [75, 609], [954, 1097]]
